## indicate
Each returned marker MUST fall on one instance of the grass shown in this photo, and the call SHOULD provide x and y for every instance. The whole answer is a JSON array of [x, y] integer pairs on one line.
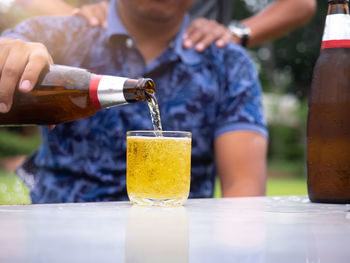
[[286, 186], [13, 143], [278, 187], [12, 190], [286, 178]]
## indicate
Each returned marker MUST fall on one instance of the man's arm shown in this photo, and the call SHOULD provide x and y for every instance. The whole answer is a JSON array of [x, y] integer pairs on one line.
[[240, 136], [276, 20], [241, 163]]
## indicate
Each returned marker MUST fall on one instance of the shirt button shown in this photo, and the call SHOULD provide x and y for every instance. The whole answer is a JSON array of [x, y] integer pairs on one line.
[[129, 43]]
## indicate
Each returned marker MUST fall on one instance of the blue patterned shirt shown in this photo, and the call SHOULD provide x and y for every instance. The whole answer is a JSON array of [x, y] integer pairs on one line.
[[207, 93]]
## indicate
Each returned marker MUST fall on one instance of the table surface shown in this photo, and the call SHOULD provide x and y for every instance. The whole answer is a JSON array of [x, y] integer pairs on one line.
[[256, 229]]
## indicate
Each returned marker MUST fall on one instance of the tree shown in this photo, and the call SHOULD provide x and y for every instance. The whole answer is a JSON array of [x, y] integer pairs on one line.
[[285, 65]]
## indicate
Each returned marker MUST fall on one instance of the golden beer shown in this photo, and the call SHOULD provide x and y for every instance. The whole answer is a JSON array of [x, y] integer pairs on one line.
[[158, 167]]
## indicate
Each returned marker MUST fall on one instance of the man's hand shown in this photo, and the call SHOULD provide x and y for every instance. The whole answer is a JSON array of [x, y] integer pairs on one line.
[[202, 32], [20, 64], [96, 14]]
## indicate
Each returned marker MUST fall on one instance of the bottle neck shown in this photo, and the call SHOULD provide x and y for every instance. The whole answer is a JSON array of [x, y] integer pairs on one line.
[[336, 33], [138, 89], [109, 91], [106, 91]]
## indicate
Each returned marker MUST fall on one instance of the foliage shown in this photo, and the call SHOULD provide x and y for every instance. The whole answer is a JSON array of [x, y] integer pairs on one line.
[[298, 52], [291, 57], [12, 190], [12, 142], [287, 143]]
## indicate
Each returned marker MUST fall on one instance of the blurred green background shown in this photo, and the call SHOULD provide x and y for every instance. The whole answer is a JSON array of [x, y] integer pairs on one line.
[[285, 70]]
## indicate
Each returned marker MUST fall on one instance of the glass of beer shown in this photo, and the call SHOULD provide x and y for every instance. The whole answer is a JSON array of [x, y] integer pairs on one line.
[[158, 169]]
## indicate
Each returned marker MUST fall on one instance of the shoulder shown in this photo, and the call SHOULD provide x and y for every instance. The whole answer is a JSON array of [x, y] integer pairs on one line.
[[230, 55], [64, 23], [40, 26], [72, 20], [231, 62]]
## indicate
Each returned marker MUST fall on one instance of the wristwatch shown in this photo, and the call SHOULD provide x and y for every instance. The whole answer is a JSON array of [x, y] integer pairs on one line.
[[241, 31]]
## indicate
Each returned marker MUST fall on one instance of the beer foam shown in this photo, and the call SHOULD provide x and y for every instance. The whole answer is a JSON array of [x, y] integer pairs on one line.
[[159, 138]]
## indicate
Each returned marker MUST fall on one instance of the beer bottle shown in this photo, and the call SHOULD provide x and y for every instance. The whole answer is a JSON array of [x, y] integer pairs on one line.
[[69, 93], [328, 127]]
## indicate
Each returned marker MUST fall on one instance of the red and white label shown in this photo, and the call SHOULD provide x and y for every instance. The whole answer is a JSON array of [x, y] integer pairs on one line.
[[106, 91], [337, 32]]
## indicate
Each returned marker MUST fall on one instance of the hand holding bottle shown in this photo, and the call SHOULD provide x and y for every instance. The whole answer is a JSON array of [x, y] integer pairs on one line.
[[20, 64]]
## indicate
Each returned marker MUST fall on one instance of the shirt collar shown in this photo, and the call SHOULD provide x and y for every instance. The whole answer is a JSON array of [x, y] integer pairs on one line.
[[116, 27], [188, 56]]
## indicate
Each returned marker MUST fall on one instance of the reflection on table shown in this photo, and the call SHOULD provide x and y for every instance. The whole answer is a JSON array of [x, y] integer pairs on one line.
[[157, 235]]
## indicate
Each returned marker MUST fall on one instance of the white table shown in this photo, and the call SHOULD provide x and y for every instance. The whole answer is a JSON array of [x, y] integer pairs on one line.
[[258, 229]]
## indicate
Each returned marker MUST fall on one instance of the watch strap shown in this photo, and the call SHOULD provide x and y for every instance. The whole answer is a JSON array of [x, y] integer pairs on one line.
[[241, 31], [244, 40]]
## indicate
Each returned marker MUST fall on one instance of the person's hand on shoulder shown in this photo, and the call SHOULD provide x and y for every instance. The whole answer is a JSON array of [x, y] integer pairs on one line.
[[20, 65], [203, 32], [96, 13]]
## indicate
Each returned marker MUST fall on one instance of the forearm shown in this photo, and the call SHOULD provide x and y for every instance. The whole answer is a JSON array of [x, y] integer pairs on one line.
[[241, 163], [247, 175], [278, 19], [245, 187], [45, 7]]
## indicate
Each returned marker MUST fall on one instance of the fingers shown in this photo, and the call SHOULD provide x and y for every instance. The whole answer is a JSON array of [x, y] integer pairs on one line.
[[20, 62], [96, 14], [89, 15], [100, 15], [37, 61], [3, 57], [10, 74], [193, 32], [202, 32], [225, 39], [105, 6], [213, 32], [195, 39]]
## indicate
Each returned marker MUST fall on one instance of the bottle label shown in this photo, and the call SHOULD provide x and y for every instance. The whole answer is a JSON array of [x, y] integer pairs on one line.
[[337, 32], [107, 91]]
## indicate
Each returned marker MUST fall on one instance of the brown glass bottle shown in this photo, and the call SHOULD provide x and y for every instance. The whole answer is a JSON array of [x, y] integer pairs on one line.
[[328, 127], [68, 93]]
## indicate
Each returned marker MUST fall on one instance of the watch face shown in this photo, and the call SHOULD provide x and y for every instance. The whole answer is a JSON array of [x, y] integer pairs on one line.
[[238, 25], [239, 29]]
